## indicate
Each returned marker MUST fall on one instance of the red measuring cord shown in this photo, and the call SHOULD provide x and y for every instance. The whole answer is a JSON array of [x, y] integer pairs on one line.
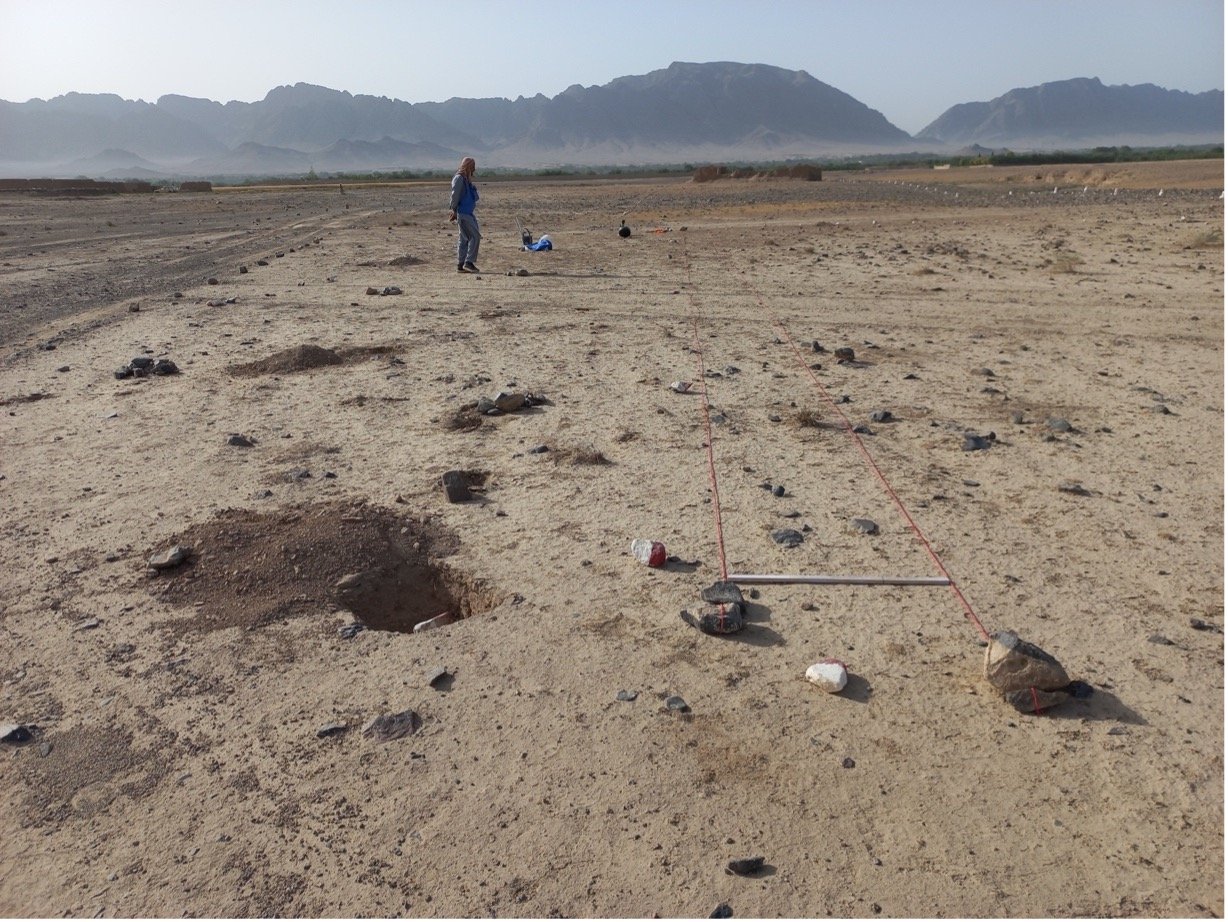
[[899, 504], [706, 412]]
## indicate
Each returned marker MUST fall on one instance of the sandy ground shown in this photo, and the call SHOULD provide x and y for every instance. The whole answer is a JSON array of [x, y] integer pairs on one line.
[[198, 740]]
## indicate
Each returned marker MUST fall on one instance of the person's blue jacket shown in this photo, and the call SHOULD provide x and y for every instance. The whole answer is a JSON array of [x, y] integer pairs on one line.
[[464, 195]]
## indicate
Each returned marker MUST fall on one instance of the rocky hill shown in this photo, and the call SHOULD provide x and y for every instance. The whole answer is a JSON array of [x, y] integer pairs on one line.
[[696, 113], [1082, 112]]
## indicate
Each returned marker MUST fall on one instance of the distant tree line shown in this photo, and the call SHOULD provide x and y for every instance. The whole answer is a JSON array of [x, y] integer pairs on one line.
[[1121, 154]]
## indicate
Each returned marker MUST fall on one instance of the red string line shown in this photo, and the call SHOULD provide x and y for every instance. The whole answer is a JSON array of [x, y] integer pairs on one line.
[[882, 479], [706, 413]]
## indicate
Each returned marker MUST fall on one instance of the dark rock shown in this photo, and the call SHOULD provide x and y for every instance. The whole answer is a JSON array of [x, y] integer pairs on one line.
[[848, 762], [788, 537], [863, 430], [121, 373], [1199, 625], [456, 487], [881, 416], [211, 281], [725, 618], [141, 361], [676, 703], [239, 441], [333, 729], [973, 442], [15, 733], [388, 727], [1057, 424], [352, 630], [723, 911], [778, 490], [721, 591], [627, 695], [243, 270], [844, 354], [746, 866]]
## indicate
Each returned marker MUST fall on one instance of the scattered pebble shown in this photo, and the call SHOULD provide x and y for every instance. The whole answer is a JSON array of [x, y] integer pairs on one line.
[[787, 537], [1075, 489], [170, 558], [831, 675], [745, 866], [676, 703], [388, 727], [865, 526], [333, 729], [625, 695]]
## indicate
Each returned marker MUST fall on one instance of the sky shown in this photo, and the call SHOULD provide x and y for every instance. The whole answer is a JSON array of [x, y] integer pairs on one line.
[[909, 59]]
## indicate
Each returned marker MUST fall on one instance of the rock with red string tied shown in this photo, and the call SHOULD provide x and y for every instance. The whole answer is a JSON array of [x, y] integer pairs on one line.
[[1029, 679], [725, 613]]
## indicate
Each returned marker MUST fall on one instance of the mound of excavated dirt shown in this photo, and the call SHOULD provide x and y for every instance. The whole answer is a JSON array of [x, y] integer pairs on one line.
[[288, 361], [248, 569]]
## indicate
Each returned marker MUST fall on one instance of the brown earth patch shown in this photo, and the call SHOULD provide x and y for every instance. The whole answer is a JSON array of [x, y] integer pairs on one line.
[[86, 769], [288, 361], [249, 569]]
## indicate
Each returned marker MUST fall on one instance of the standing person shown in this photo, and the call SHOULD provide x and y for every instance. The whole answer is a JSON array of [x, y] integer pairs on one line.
[[464, 198]]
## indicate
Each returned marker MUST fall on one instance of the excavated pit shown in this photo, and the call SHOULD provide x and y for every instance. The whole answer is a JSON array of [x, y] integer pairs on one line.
[[248, 569]]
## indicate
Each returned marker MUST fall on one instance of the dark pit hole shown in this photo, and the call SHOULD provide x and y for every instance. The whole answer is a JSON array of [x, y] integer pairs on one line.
[[400, 596], [249, 569]]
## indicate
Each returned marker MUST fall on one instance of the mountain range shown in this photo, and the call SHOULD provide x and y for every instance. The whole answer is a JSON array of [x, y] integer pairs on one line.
[[685, 113]]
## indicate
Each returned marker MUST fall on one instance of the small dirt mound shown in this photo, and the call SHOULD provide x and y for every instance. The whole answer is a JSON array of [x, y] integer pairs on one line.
[[249, 569], [288, 361]]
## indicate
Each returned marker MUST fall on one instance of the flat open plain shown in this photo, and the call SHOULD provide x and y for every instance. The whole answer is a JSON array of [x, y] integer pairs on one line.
[[198, 740]]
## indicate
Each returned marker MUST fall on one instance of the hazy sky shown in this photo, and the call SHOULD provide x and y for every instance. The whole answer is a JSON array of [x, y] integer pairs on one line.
[[909, 59]]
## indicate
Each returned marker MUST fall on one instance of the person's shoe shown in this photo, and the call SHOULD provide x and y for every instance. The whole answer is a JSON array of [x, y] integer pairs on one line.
[[460, 267], [470, 267]]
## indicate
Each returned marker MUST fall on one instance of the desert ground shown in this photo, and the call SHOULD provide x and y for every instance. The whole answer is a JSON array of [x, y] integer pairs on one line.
[[204, 739]]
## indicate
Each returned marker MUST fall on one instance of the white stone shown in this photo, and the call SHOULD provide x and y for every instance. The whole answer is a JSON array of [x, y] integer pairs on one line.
[[831, 675]]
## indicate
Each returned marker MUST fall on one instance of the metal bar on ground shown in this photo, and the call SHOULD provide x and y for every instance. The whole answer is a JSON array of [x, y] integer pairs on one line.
[[820, 580]]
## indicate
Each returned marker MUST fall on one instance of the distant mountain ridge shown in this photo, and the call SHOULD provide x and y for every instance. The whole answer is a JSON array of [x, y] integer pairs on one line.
[[719, 111], [1082, 110]]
